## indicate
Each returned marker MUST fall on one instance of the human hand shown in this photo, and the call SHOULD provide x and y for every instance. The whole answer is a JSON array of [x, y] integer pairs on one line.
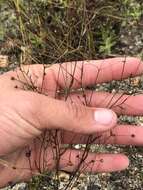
[[27, 117]]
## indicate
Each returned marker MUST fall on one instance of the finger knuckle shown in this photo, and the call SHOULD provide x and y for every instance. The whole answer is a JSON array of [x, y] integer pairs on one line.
[[76, 111]]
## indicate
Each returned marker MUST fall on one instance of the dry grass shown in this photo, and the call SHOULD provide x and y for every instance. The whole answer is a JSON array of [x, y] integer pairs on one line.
[[48, 32]]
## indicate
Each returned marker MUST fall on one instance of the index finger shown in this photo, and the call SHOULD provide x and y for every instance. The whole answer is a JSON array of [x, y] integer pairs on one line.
[[87, 73], [78, 74]]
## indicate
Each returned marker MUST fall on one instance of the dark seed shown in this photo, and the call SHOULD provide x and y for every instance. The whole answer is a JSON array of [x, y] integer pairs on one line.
[[132, 135], [12, 78]]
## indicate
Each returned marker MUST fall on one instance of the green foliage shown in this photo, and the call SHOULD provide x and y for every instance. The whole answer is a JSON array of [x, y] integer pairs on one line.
[[66, 30], [50, 31], [1, 33], [133, 10], [108, 41], [2, 1]]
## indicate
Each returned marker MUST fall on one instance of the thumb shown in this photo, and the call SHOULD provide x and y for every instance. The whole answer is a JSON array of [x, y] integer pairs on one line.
[[74, 117]]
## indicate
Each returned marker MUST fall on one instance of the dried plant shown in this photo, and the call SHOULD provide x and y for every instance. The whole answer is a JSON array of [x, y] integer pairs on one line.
[[69, 84]]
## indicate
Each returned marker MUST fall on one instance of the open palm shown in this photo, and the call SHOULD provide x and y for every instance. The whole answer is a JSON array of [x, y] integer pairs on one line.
[[34, 112]]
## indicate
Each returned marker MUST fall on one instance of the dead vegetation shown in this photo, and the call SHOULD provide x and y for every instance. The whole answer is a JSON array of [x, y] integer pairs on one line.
[[48, 32]]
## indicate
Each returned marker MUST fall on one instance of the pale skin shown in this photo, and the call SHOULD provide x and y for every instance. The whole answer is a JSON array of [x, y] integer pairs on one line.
[[24, 116]]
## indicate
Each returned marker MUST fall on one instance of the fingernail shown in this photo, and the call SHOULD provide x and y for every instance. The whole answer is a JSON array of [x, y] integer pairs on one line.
[[104, 117]]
